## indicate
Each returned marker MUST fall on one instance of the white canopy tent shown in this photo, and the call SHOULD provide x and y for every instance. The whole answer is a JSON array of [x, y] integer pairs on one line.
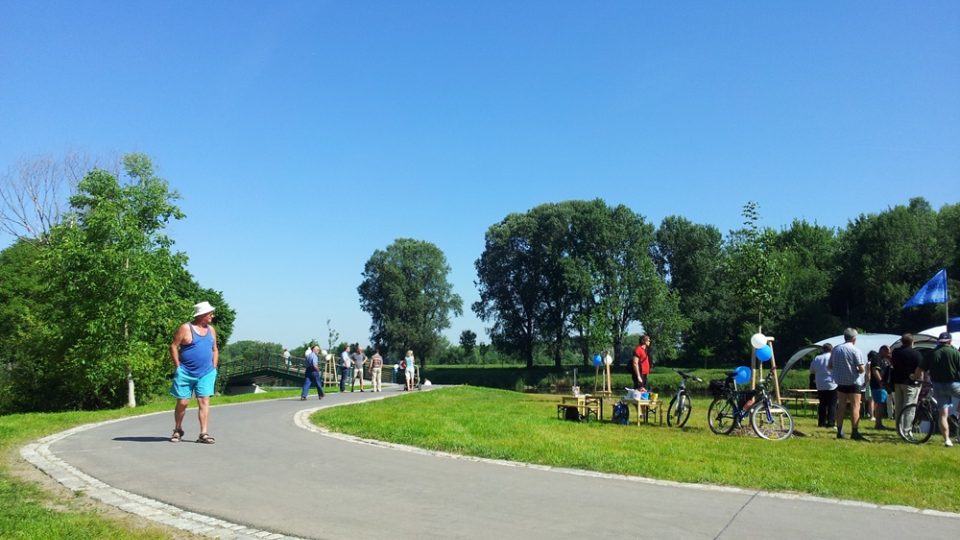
[[928, 338], [865, 342]]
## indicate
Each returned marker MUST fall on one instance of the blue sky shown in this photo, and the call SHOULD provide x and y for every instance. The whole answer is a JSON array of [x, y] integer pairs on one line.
[[305, 135]]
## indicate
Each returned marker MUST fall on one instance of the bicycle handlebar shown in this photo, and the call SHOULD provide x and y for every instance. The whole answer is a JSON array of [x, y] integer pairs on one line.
[[686, 375]]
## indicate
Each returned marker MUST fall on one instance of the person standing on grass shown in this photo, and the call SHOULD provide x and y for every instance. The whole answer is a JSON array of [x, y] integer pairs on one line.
[[345, 370], [195, 360], [847, 365], [904, 363], [376, 370], [311, 375], [359, 359], [410, 370], [640, 363], [943, 364], [826, 388], [879, 369]]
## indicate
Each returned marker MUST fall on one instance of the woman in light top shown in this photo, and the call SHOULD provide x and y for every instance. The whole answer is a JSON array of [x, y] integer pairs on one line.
[[411, 370]]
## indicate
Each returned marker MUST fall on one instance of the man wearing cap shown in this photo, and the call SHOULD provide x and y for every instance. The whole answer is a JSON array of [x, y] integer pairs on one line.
[[943, 364], [847, 365], [195, 359]]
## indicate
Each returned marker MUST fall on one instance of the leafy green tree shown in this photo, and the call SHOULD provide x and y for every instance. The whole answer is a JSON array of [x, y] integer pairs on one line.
[[468, 340], [112, 259], [884, 259], [755, 278], [690, 257], [99, 299], [508, 284], [808, 257], [406, 292], [251, 349], [616, 279]]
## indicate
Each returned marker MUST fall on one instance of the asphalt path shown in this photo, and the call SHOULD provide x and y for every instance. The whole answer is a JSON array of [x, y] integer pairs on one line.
[[266, 471]]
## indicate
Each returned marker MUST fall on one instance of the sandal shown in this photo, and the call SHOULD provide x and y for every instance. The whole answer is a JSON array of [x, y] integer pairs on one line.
[[177, 435], [206, 439]]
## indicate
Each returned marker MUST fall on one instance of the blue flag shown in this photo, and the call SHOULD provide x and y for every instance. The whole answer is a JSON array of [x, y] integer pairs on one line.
[[934, 292]]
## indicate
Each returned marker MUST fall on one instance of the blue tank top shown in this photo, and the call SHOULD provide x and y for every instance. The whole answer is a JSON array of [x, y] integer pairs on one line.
[[197, 357]]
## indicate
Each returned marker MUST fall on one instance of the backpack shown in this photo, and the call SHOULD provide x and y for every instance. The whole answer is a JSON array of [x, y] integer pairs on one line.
[[621, 413]]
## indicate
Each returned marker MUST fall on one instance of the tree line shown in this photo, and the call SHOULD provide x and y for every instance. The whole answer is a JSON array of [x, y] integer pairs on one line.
[[89, 295], [576, 274]]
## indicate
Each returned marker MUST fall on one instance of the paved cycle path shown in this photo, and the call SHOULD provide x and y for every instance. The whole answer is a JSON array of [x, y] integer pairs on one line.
[[269, 473]]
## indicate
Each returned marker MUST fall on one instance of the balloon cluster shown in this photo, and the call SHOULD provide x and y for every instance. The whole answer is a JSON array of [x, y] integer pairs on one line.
[[764, 351]]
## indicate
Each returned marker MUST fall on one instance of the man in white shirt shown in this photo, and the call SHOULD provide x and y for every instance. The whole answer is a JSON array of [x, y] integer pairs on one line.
[[826, 388]]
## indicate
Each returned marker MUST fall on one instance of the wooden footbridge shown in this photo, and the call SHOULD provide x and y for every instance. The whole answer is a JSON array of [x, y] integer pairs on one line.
[[267, 369]]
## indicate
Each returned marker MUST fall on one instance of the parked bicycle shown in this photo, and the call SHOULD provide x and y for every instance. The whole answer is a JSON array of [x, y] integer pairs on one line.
[[680, 405], [918, 421], [730, 407]]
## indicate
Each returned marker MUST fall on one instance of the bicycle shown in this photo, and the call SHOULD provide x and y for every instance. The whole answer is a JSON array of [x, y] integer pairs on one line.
[[917, 422], [730, 406], [678, 412]]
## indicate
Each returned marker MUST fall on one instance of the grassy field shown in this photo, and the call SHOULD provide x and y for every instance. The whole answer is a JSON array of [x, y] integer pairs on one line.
[[29, 511], [523, 427]]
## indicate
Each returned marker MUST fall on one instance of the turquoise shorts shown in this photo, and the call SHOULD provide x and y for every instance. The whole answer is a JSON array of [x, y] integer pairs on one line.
[[186, 385]]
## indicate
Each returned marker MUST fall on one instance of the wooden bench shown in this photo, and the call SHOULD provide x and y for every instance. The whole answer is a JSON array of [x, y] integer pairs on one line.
[[644, 407]]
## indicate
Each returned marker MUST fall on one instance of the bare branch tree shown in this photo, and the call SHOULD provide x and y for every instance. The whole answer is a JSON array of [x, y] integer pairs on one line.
[[34, 193]]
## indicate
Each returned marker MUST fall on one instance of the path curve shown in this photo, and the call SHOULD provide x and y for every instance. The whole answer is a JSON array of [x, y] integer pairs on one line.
[[269, 477]]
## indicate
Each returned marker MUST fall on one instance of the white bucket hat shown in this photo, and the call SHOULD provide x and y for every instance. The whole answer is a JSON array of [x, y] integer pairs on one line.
[[202, 309]]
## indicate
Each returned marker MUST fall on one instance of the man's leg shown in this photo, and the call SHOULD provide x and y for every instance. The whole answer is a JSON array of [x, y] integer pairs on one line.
[[203, 412], [179, 412], [842, 399], [855, 414], [831, 408], [306, 387]]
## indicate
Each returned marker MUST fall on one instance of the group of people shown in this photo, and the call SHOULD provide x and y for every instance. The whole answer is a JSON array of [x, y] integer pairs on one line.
[[844, 376], [352, 363], [196, 357]]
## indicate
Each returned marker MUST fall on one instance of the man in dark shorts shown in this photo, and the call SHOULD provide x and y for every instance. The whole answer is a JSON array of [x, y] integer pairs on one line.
[[640, 363], [905, 361], [847, 365]]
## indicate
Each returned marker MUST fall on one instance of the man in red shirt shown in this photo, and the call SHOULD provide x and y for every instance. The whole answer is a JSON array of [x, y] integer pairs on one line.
[[640, 364]]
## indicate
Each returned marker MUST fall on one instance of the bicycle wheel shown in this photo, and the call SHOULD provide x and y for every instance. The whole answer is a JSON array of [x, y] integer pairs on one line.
[[771, 421], [916, 424], [679, 412], [722, 416]]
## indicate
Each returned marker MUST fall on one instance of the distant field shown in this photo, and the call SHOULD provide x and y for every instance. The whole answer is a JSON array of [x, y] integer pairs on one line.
[[663, 379]]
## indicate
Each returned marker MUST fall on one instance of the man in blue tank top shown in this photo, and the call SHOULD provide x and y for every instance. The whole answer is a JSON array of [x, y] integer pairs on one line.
[[195, 359]]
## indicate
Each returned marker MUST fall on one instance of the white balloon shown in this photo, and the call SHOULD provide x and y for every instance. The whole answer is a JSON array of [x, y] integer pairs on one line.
[[758, 340], [608, 360]]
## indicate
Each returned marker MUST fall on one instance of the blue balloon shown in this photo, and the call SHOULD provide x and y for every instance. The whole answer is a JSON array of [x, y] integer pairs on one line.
[[598, 360], [764, 353], [743, 375]]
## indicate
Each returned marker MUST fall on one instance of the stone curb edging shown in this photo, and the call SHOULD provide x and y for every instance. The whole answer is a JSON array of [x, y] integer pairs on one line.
[[302, 419]]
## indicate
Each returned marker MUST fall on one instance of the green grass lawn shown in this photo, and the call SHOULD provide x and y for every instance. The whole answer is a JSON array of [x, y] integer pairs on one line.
[[523, 427]]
